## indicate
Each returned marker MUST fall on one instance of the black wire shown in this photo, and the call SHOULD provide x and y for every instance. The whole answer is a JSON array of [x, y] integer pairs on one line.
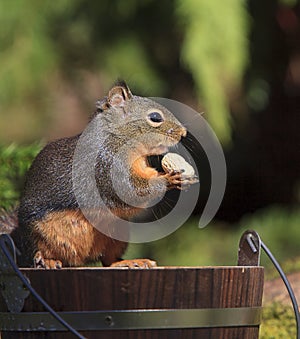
[[32, 290], [287, 284]]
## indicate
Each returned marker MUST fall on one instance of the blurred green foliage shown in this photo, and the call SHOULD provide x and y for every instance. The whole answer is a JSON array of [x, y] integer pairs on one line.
[[26, 50], [14, 162], [278, 322], [215, 49], [45, 43]]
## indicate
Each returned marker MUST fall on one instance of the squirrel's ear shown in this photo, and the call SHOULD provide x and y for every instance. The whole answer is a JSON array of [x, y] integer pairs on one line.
[[119, 94]]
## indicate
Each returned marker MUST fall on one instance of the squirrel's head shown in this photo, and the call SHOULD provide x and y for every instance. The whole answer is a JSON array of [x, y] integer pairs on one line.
[[132, 116]]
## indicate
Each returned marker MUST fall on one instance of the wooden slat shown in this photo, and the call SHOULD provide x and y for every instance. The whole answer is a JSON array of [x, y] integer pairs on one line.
[[93, 289]]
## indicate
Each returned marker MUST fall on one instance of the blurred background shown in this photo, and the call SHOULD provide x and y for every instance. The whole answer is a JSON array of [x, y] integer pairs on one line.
[[236, 61]]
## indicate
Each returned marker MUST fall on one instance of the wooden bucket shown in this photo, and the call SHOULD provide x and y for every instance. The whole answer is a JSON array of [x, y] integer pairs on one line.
[[164, 302]]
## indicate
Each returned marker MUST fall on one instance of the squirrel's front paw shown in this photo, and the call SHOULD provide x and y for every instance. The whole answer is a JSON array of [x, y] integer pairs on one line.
[[135, 263], [175, 179], [40, 262], [179, 173]]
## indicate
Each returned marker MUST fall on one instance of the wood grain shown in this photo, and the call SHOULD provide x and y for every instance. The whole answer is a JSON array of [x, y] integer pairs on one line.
[[91, 289]]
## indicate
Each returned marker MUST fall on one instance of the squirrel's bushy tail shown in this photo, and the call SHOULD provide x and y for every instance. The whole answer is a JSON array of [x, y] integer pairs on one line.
[[8, 220]]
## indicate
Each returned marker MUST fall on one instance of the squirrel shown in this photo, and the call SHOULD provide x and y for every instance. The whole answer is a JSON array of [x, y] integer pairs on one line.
[[52, 230]]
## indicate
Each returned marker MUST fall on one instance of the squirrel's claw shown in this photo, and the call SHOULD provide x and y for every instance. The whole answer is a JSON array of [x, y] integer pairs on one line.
[[40, 262], [135, 263], [176, 180]]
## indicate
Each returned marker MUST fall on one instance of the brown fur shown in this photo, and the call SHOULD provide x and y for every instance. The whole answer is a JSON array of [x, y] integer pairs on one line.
[[69, 237], [141, 169]]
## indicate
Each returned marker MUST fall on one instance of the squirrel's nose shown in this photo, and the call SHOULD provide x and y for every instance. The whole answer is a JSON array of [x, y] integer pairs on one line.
[[182, 131]]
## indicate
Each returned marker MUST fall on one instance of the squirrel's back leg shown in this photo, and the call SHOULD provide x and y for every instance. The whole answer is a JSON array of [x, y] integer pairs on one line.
[[68, 237]]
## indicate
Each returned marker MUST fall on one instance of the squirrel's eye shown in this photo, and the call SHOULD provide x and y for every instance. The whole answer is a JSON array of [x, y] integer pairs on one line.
[[155, 118]]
